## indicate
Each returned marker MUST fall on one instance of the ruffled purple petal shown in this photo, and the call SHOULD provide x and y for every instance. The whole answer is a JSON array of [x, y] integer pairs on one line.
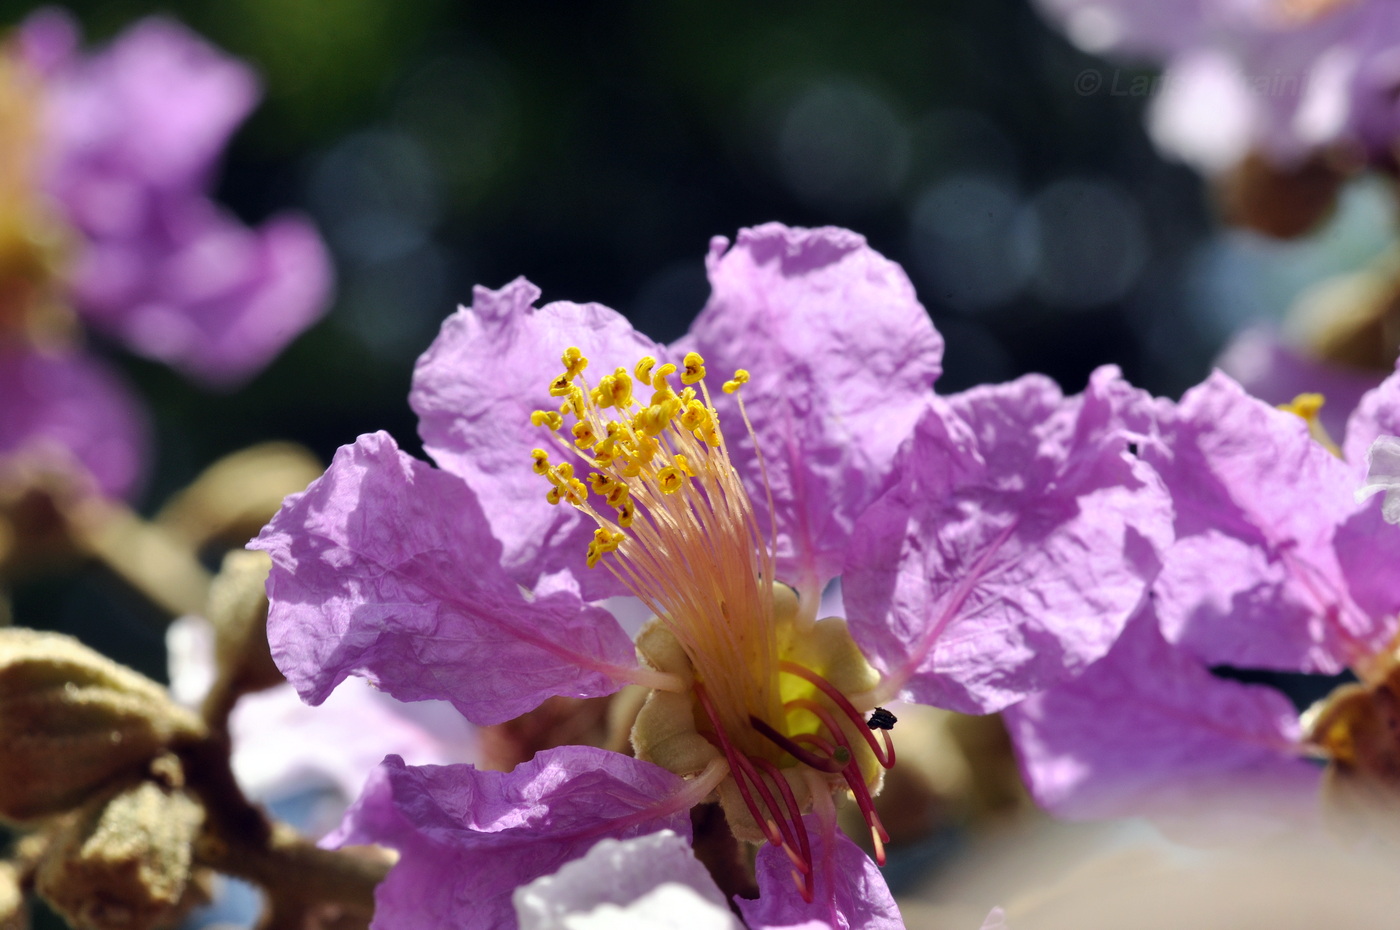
[[1021, 539], [1253, 580], [1148, 730], [649, 881], [842, 357], [71, 405], [850, 892], [385, 568], [474, 390], [468, 838], [1274, 372]]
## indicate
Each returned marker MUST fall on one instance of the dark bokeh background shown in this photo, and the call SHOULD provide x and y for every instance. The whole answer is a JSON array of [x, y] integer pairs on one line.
[[596, 148]]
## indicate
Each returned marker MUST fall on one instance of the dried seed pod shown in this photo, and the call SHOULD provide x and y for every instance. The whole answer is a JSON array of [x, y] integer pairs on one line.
[[72, 721], [125, 861]]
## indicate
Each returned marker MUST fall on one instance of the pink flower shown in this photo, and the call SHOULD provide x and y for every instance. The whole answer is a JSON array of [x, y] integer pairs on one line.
[[480, 581]]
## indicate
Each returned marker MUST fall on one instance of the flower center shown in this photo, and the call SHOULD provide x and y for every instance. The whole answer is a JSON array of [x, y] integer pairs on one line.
[[677, 528]]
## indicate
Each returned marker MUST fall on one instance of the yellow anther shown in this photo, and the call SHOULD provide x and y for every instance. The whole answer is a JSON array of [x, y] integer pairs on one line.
[[1304, 405], [710, 434], [684, 466], [642, 450], [694, 368], [562, 386], [561, 474], [643, 369], [573, 403], [1308, 406], [695, 415], [584, 435], [550, 418], [658, 377], [575, 491], [652, 420], [741, 378], [621, 387], [686, 395], [626, 513], [600, 483], [574, 362], [554, 496], [604, 541], [541, 460], [617, 495], [670, 479]]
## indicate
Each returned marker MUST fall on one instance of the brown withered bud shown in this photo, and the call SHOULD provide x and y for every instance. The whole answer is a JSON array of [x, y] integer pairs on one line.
[[125, 862], [13, 913], [232, 499], [1358, 728], [1280, 202], [72, 721], [238, 613]]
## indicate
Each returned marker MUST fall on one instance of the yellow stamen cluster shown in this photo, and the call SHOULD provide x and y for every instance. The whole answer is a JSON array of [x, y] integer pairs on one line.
[[642, 446]]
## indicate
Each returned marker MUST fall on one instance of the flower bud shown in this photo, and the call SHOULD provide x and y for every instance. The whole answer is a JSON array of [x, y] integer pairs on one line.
[[125, 861], [72, 720]]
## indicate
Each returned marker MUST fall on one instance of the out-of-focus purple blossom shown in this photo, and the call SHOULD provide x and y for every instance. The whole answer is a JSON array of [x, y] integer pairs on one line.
[[284, 748], [1281, 78], [70, 408], [462, 582], [1276, 566], [130, 137]]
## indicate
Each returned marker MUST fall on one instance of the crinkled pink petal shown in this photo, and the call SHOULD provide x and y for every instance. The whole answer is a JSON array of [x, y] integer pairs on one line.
[[1020, 540], [842, 357], [468, 838], [644, 882], [384, 568], [72, 406], [1148, 730], [1274, 372], [474, 390], [1253, 580], [850, 892], [203, 293]]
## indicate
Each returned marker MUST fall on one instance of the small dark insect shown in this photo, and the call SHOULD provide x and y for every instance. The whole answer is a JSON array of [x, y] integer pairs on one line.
[[881, 719]]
